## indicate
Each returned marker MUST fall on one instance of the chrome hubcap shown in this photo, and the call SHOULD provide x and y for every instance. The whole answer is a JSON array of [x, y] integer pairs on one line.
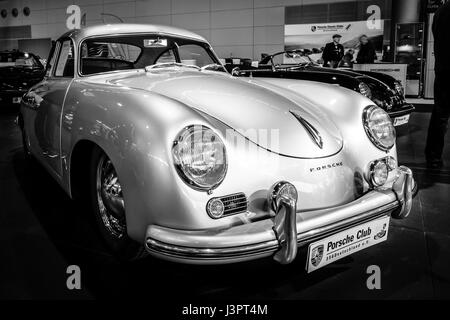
[[110, 198]]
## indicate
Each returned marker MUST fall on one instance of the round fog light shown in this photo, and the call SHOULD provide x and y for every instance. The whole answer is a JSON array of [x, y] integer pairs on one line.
[[215, 208], [379, 173]]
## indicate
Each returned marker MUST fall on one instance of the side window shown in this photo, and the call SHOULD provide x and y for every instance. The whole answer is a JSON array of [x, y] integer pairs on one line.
[[167, 56], [65, 64], [51, 59]]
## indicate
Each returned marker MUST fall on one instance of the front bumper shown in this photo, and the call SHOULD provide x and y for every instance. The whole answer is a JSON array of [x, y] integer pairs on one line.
[[400, 111], [270, 237]]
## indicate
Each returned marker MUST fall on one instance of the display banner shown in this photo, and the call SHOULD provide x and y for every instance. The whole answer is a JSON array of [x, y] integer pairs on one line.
[[315, 36]]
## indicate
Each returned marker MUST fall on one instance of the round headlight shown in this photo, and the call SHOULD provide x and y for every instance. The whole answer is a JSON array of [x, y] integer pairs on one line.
[[379, 173], [379, 127], [365, 90], [200, 157]]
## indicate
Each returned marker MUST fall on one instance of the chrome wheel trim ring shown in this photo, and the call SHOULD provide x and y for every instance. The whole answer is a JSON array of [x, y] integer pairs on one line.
[[110, 198]]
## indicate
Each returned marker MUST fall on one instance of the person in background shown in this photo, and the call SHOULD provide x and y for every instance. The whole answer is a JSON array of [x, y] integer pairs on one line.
[[441, 112], [333, 52], [347, 60], [366, 52]]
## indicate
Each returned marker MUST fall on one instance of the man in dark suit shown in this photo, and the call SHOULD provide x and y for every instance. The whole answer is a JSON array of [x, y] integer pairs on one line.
[[441, 112], [333, 52]]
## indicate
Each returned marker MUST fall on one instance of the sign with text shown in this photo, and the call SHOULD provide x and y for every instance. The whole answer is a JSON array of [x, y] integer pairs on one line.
[[316, 36]]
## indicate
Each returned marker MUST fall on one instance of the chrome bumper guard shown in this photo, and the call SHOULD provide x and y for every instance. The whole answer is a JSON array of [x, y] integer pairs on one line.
[[280, 236]]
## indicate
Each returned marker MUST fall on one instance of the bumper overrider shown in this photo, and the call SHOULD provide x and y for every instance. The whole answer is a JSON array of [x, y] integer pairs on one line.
[[281, 235]]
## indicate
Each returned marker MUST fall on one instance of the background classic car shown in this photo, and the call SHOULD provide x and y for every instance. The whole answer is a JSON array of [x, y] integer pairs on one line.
[[18, 72], [145, 122], [384, 90]]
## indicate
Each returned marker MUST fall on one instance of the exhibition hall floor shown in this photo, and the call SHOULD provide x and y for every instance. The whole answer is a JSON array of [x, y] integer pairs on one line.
[[42, 232]]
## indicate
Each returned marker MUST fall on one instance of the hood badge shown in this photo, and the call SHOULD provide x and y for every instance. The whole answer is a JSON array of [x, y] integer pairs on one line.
[[315, 135]]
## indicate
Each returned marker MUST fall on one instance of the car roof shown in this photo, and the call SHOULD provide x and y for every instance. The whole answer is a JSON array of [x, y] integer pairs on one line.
[[127, 28]]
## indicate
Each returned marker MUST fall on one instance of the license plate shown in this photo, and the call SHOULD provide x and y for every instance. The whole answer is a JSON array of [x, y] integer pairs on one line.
[[345, 243], [401, 120], [17, 99]]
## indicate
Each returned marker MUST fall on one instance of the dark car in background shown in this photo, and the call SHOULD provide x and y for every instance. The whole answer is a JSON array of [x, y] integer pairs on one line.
[[18, 72], [384, 90]]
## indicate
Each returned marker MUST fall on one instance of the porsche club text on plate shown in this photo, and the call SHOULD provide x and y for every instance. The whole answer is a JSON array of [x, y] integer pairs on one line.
[[347, 242]]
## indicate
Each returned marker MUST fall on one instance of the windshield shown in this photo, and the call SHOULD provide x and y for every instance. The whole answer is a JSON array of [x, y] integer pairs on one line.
[[17, 59], [138, 51], [295, 58]]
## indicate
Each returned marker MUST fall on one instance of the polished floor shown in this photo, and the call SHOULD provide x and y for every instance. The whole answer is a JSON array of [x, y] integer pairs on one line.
[[42, 232]]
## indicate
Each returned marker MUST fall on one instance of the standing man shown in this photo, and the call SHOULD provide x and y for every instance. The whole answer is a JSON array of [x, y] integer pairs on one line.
[[333, 52], [366, 52], [441, 112]]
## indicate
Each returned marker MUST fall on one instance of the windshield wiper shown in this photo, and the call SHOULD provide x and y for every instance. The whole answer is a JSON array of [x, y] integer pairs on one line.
[[170, 64]]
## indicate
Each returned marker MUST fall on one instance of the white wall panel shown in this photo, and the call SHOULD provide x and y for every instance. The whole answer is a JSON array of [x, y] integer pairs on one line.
[[231, 4], [232, 18], [152, 7], [273, 16], [122, 9], [268, 35], [191, 21], [183, 6], [230, 37], [36, 17]]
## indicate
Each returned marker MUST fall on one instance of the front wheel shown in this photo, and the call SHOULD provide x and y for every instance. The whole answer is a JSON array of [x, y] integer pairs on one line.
[[109, 208]]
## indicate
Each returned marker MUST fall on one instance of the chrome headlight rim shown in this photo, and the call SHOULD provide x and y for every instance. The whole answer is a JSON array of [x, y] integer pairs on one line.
[[377, 142], [390, 164], [398, 88], [373, 177], [180, 169], [365, 90]]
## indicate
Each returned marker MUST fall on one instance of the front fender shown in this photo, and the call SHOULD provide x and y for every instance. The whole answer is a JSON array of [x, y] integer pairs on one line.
[[136, 129]]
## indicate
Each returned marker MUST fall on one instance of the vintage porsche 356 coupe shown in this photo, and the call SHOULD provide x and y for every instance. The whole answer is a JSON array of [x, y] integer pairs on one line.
[[196, 166]]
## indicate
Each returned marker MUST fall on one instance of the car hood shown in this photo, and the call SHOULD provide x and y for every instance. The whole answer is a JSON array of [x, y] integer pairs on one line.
[[386, 79], [247, 108], [356, 74], [336, 71]]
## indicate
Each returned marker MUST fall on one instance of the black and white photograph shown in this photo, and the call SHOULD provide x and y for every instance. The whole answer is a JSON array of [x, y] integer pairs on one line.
[[229, 158]]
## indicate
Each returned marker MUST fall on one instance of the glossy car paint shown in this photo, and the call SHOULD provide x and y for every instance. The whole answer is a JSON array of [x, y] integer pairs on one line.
[[382, 86], [134, 116]]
